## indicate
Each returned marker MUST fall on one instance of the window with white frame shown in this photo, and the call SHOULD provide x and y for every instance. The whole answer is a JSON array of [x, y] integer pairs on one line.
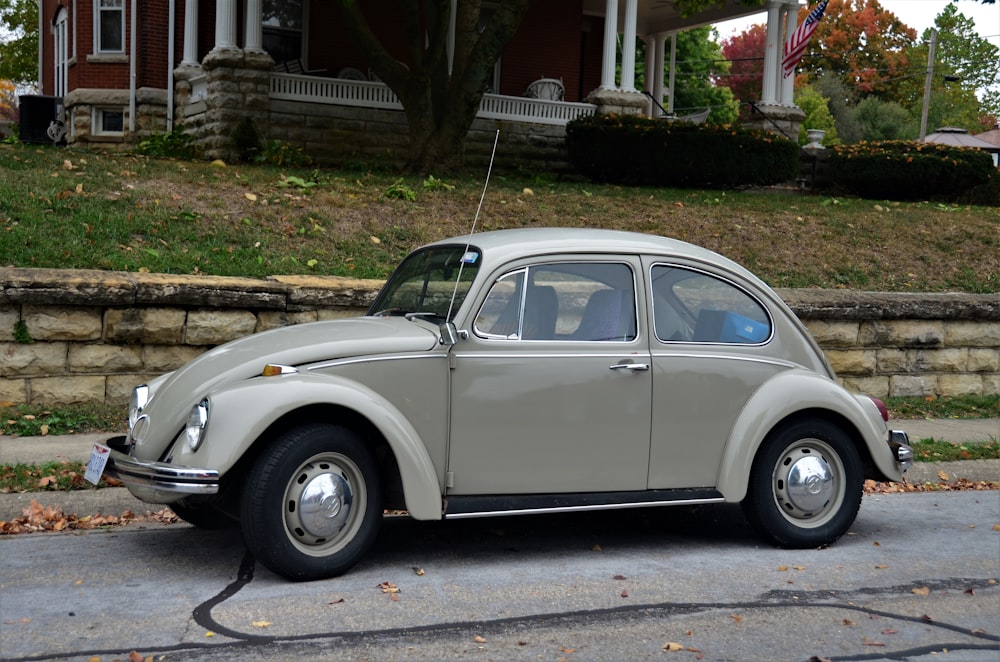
[[108, 122], [109, 26], [60, 40]]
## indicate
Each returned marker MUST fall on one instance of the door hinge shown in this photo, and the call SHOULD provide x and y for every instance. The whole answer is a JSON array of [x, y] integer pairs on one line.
[[449, 479]]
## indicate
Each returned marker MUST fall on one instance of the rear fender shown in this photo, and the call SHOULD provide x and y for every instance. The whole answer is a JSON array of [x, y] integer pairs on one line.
[[782, 397], [239, 415]]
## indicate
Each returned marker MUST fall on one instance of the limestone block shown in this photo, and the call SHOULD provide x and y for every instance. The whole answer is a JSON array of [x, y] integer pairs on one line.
[[67, 390], [902, 333], [155, 326], [952, 385], [942, 360], [984, 360], [852, 361], [13, 391], [903, 386], [214, 327], [104, 359], [18, 360], [158, 359], [9, 315], [834, 334], [273, 320], [894, 361], [875, 386], [972, 334], [118, 389], [62, 322], [991, 384]]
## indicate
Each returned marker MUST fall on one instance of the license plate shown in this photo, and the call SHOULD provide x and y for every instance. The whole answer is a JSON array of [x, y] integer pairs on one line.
[[95, 466]]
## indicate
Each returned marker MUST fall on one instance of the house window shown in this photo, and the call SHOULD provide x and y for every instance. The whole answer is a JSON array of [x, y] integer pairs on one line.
[[283, 21], [110, 26], [108, 122], [61, 52]]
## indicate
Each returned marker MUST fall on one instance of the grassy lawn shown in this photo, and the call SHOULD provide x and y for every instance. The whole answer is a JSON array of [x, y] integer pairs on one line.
[[68, 208]]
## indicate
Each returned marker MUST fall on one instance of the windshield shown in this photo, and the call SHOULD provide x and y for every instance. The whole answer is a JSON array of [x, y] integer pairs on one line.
[[423, 284]]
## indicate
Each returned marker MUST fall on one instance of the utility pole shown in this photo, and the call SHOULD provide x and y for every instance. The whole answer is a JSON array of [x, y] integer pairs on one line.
[[927, 84]]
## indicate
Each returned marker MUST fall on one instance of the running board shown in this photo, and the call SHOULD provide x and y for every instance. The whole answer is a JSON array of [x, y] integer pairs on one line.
[[458, 507]]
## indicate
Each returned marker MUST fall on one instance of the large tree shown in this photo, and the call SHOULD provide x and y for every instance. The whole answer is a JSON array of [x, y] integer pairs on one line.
[[745, 52], [440, 105], [19, 41], [962, 53]]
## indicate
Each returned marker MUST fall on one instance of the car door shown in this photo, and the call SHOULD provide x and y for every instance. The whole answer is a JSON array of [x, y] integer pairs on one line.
[[551, 388], [711, 349]]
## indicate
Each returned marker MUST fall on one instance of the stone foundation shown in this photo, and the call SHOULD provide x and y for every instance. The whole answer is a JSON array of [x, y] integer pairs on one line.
[[73, 337]]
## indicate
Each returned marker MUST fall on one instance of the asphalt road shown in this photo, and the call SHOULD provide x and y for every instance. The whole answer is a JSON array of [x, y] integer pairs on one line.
[[916, 579]]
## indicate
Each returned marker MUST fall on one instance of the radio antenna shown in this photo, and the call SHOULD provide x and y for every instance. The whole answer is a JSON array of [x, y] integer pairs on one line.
[[475, 220]]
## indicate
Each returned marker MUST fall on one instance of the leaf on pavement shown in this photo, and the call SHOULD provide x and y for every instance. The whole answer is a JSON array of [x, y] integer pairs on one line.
[[849, 623], [672, 647], [388, 587], [921, 590], [261, 624], [479, 639], [620, 577]]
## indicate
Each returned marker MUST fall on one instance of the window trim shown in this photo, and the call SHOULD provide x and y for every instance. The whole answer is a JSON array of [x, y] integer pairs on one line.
[[97, 121], [98, 46]]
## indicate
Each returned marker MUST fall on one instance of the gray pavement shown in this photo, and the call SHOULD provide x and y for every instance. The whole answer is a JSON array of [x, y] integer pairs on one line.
[[35, 450]]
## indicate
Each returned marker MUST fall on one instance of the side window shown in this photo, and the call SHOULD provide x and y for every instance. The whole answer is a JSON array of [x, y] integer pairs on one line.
[[573, 301], [110, 26], [691, 306]]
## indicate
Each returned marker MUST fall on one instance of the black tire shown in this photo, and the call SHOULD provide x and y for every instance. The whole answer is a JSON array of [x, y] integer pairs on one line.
[[331, 471], [805, 485], [204, 516]]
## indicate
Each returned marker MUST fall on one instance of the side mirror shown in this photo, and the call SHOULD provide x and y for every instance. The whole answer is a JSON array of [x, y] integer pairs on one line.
[[449, 334]]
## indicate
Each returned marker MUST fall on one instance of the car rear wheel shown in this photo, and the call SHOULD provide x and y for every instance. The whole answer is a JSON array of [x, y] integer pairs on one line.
[[805, 485], [311, 504]]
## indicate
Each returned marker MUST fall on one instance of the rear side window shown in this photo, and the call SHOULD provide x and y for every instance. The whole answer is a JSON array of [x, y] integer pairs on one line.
[[692, 306], [571, 301]]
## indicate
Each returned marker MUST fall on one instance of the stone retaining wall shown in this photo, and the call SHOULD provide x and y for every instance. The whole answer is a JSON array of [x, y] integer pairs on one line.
[[69, 337]]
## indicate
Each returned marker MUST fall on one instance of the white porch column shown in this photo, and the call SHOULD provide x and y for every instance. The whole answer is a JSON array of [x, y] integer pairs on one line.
[[610, 44], [254, 35], [628, 45], [673, 67], [659, 43], [647, 82], [787, 96], [225, 24], [772, 54], [190, 57]]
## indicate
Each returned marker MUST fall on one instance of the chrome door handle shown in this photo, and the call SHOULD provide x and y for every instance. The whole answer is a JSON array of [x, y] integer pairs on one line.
[[634, 367]]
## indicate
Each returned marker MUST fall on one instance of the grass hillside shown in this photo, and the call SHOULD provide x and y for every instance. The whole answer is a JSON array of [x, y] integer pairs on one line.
[[67, 208]]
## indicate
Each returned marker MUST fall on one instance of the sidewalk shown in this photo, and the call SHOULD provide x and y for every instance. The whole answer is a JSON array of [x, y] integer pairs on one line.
[[112, 501]]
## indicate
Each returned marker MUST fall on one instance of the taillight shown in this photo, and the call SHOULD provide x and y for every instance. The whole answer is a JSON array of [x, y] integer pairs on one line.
[[882, 409]]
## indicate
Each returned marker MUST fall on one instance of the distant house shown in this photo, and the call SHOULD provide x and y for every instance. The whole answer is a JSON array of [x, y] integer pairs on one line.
[[959, 137], [121, 70]]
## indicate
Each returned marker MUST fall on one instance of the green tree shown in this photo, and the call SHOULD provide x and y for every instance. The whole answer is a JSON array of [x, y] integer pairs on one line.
[[818, 115], [19, 40], [884, 120], [439, 104], [963, 53]]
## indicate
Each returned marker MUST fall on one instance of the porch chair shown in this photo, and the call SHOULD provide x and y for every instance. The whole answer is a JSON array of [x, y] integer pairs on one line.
[[350, 73], [551, 89]]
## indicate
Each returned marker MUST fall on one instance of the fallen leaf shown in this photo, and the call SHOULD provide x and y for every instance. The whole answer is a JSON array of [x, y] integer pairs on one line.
[[620, 577], [336, 602], [849, 623], [260, 624], [567, 650], [388, 587], [479, 640], [251, 197], [921, 590], [374, 239], [595, 548], [782, 568], [889, 632], [672, 647], [737, 618], [209, 634], [996, 527], [799, 567], [926, 619], [876, 544], [970, 591], [943, 475], [419, 572], [625, 593], [868, 642], [881, 566]]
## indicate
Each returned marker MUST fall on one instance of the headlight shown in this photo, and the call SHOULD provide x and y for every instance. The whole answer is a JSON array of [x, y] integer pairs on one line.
[[136, 403], [196, 424]]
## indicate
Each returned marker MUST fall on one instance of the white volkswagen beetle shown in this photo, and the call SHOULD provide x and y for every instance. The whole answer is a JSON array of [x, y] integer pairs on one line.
[[512, 372]]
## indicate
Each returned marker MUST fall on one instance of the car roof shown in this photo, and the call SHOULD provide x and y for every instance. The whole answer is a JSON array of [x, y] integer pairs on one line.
[[506, 245]]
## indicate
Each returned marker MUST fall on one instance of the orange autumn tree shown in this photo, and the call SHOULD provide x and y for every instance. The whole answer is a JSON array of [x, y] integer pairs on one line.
[[745, 52], [8, 109], [864, 45]]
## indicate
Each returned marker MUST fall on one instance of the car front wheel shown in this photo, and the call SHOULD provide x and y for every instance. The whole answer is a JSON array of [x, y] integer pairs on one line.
[[311, 504], [805, 485]]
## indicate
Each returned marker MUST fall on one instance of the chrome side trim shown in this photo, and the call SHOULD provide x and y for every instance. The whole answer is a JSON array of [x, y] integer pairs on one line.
[[592, 507], [373, 359], [160, 475], [724, 357]]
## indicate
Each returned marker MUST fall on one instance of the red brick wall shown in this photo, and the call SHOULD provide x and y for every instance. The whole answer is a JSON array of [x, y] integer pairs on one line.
[[547, 45]]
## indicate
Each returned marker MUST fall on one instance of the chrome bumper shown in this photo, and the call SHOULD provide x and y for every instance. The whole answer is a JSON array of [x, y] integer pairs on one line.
[[160, 476], [899, 442]]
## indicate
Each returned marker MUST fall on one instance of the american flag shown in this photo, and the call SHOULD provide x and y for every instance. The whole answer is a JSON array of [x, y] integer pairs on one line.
[[796, 44]]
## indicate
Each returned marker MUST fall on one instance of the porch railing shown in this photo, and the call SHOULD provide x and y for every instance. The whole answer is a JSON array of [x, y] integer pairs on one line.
[[368, 94]]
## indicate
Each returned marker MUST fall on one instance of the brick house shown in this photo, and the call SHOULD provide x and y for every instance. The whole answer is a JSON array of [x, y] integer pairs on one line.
[[120, 70]]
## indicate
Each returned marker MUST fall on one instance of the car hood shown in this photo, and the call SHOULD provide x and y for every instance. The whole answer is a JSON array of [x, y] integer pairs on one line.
[[174, 394]]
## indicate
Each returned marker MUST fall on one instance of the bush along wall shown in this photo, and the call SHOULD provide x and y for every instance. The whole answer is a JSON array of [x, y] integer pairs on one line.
[[908, 170], [627, 149]]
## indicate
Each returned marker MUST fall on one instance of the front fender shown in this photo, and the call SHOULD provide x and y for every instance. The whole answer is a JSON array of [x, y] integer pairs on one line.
[[783, 396], [240, 414]]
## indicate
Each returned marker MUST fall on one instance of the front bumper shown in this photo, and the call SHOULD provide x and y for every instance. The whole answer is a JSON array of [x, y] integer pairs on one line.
[[902, 452], [146, 478]]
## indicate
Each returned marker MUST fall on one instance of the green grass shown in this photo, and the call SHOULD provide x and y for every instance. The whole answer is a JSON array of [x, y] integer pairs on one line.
[[932, 450], [965, 406], [73, 208], [32, 421], [47, 477]]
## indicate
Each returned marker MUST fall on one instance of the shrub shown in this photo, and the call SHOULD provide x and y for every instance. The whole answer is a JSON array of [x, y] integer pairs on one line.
[[908, 170], [282, 154], [638, 150], [176, 144]]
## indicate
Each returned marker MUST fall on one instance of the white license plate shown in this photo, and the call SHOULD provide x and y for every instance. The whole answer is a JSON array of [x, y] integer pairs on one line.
[[95, 466]]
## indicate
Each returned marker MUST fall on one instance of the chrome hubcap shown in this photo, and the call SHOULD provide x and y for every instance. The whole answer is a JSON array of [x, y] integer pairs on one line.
[[325, 505], [321, 511], [808, 482]]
